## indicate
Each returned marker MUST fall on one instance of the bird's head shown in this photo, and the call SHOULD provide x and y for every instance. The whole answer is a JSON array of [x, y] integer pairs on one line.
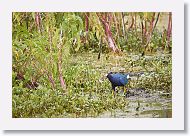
[[109, 75], [105, 76]]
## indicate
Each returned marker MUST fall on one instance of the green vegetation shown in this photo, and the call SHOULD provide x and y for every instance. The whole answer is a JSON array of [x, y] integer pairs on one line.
[[60, 61]]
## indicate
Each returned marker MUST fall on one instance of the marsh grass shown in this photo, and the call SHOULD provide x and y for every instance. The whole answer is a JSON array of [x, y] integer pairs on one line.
[[88, 92]]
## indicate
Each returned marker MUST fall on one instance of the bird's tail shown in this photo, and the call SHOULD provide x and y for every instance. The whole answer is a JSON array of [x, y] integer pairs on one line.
[[127, 76]]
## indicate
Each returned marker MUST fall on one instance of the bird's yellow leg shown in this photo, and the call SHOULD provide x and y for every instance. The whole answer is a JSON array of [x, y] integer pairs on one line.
[[124, 90], [113, 92]]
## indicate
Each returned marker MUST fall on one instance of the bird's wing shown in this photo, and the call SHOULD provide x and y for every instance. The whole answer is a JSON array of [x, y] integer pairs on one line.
[[115, 78], [123, 80]]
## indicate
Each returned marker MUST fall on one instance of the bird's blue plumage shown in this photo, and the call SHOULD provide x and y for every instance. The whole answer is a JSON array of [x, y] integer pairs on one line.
[[117, 79]]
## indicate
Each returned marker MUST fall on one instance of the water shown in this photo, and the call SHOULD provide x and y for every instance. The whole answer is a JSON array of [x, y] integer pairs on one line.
[[142, 102], [143, 105]]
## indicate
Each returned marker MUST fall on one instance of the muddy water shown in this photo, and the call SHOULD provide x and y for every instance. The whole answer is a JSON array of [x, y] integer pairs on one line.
[[142, 103]]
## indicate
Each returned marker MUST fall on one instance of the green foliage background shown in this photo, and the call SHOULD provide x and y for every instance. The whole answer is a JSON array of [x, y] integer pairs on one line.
[[42, 41]]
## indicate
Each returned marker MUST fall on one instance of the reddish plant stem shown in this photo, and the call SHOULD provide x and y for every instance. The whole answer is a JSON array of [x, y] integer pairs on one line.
[[123, 25], [169, 30], [135, 22], [150, 33], [111, 41], [152, 22], [50, 77], [60, 47], [87, 21], [37, 20], [142, 34], [131, 26], [62, 82]]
